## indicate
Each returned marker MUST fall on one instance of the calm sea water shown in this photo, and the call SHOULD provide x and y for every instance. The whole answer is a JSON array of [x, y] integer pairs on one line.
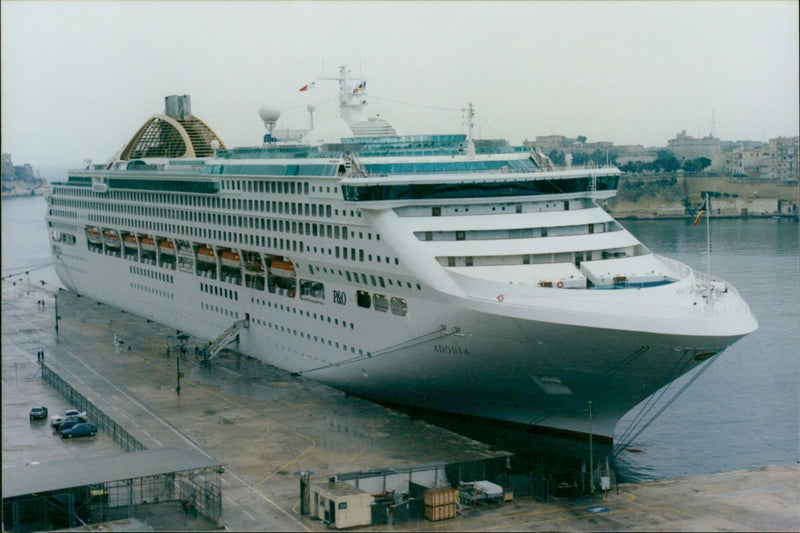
[[741, 412]]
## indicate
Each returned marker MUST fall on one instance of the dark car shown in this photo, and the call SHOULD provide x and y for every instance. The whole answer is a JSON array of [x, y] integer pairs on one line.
[[69, 422], [82, 429], [38, 413]]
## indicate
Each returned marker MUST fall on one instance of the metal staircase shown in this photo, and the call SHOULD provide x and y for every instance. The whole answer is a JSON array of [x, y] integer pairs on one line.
[[226, 338]]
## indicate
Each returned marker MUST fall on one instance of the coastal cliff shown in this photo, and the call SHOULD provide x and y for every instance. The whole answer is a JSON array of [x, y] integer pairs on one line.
[[21, 180]]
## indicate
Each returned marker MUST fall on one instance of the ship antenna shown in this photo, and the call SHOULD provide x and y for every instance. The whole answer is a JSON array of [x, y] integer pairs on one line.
[[469, 115], [352, 99], [708, 245]]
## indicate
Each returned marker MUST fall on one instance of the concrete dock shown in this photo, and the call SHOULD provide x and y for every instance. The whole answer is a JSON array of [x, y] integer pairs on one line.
[[266, 425]]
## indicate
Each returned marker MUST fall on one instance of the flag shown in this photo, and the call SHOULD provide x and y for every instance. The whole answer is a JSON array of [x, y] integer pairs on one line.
[[308, 87], [360, 88], [700, 213]]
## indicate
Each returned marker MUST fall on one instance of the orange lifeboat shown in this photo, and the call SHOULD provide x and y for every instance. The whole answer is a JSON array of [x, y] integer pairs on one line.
[[111, 238], [148, 244], [282, 268], [129, 241], [166, 247], [206, 255], [231, 259], [94, 236]]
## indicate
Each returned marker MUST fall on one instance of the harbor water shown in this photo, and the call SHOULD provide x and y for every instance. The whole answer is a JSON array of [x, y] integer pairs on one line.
[[740, 412]]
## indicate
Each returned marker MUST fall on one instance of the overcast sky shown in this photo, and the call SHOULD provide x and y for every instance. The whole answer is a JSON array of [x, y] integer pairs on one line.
[[79, 78]]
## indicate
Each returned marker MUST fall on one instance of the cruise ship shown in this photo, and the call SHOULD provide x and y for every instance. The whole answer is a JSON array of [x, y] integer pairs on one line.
[[444, 272]]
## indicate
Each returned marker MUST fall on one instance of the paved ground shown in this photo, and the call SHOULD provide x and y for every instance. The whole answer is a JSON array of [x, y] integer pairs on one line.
[[266, 425]]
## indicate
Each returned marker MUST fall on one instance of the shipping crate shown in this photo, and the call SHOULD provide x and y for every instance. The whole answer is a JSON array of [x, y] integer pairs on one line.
[[440, 512], [437, 497]]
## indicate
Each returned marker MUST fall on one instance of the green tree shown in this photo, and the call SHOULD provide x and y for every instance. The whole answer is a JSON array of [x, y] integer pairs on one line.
[[696, 165], [581, 138], [666, 162]]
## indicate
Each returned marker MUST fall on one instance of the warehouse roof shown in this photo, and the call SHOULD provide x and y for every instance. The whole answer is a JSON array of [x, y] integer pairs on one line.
[[48, 476]]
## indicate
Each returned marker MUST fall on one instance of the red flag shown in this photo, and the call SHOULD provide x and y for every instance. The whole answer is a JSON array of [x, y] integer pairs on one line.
[[307, 87]]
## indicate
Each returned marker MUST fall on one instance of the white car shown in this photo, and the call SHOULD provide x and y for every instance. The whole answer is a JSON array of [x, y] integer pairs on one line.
[[57, 419]]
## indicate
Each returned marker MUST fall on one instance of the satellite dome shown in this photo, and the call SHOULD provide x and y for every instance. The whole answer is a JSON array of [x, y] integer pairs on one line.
[[269, 112]]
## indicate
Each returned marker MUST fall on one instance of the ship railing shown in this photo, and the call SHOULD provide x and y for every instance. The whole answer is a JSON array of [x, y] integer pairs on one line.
[[574, 299]]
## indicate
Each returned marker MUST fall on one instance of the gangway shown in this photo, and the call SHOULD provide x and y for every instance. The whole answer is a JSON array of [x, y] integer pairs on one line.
[[226, 338]]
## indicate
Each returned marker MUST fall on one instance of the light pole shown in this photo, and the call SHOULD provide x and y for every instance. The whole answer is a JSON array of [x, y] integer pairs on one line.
[[591, 453], [55, 299], [182, 338]]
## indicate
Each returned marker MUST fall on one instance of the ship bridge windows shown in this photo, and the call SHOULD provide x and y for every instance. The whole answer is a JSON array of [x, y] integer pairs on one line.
[[488, 189]]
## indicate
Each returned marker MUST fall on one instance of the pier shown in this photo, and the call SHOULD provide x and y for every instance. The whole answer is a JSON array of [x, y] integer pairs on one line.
[[266, 426]]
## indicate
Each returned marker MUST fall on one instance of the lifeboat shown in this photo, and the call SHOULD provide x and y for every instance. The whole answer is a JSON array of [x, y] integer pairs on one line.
[[255, 267], [282, 268], [206, 255], [111, 238], [129, 241], [231, 259], [94, 236], [166, 247], [148, 244]]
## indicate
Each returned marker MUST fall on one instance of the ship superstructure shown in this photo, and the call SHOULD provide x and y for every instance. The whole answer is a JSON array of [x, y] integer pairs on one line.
[[439, 271]]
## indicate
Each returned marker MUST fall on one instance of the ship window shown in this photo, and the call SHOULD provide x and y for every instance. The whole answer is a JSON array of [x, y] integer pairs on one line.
[[399, 306], [436, 211], [381, 303], [460, 235], [363, 299]]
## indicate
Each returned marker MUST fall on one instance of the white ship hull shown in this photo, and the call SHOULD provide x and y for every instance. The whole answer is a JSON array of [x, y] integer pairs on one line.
[[474, 357]]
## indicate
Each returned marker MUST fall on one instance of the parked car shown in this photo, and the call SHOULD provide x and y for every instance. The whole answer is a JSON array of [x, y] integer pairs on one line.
[[38, 413], [57, 419], [82, 429], [70, 422]]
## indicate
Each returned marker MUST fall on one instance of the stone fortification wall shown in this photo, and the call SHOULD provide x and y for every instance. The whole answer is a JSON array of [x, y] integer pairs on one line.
[[742, 188], [677, 196]]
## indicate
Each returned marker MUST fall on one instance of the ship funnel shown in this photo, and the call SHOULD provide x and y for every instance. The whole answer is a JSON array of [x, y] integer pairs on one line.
[[178, 106]]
